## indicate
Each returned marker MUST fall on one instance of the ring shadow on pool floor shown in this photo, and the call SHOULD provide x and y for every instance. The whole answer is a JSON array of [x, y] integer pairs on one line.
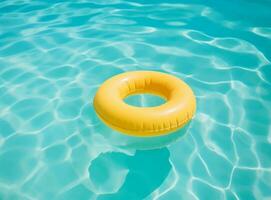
[[141, 174]]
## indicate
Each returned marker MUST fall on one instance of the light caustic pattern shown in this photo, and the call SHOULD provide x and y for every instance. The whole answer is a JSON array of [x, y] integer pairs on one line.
[[55, 54]]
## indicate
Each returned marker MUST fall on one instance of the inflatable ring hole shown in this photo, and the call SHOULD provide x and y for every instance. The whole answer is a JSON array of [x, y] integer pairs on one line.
[[144, 100]]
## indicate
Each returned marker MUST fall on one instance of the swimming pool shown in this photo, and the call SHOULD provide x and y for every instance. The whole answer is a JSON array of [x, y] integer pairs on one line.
[[55, 54]]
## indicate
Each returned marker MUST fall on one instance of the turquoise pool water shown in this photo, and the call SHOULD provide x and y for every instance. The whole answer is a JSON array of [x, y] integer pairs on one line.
[[55, 54]]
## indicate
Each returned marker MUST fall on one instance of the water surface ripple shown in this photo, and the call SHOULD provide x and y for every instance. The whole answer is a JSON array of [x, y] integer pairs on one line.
[[55, 54]]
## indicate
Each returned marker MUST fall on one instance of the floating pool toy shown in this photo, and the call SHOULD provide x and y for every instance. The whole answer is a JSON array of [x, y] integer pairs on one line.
[[178, 109]]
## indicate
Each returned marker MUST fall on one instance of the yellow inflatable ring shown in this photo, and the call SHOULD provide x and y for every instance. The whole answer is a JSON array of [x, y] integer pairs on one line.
[[178, 109]]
